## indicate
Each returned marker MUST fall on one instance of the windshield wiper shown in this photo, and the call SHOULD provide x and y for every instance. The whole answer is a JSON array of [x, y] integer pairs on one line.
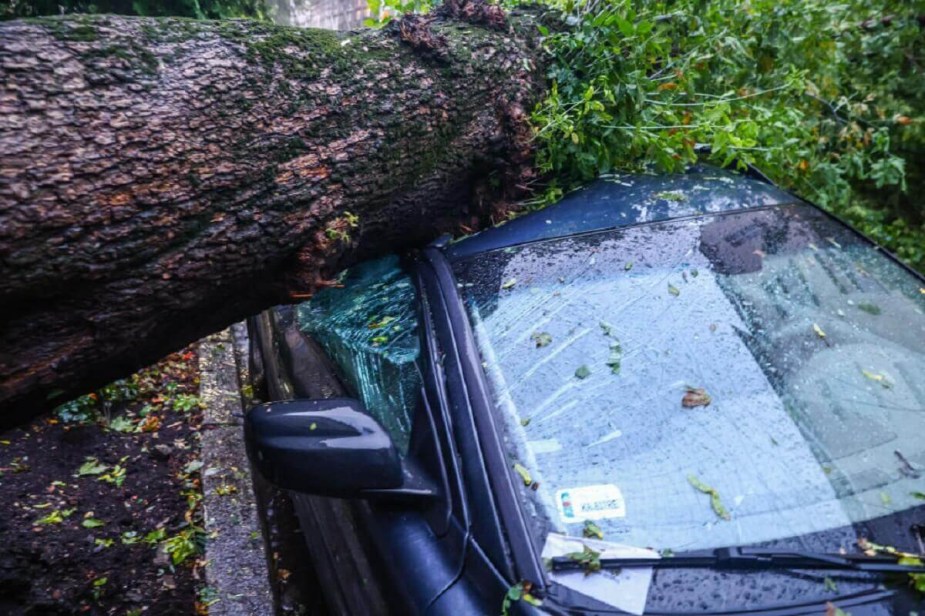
[[751, 558]]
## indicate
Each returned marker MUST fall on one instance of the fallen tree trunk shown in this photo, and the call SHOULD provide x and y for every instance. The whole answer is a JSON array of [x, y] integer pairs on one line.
[[160, 179]]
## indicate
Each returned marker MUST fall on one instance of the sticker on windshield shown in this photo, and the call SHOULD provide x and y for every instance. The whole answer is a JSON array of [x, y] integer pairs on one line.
[[596, 502]]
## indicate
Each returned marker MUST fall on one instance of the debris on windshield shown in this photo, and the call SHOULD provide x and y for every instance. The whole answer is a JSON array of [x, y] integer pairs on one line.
[[616, 355], [830, 584], [905, 467], [878, 378], [519, 592], [521, 470], [541, 339], [607, 328], [873, 309], [715, 500], [673, 290], [509, 284], [628, 266], [381, 322], [833, 610], [903, 558], [589, 559], [583, 372], [592, 531], [670, 195], [695, 396]]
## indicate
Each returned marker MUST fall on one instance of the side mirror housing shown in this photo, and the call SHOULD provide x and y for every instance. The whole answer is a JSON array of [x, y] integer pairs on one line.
[[326, 447]]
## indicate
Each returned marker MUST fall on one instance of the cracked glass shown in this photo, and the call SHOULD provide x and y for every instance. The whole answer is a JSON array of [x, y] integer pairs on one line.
[[368, 326]]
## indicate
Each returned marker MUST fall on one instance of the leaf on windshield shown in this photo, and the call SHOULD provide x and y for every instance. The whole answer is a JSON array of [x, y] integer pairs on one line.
[[589, 559], [521, 470], [673, 290], [381, 322], [541, 339], [592, 531], [878, 378], [715, 500], [616, 356], [873, 309], [509, 284], [696, 396], [583, 372]]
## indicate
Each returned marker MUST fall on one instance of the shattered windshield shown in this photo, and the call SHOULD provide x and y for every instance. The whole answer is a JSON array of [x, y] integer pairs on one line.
[[707, 382]]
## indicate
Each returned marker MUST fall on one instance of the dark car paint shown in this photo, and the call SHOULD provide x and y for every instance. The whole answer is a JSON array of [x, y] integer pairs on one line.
[[460, 559]]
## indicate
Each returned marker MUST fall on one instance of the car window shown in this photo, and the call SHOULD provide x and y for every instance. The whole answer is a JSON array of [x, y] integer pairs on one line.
[[369, 327], [716, 381]]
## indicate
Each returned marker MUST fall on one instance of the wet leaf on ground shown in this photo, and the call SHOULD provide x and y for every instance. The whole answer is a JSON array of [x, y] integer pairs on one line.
[[541, 339], [92, 466], [509, 284], [673, 290], [583, 372]]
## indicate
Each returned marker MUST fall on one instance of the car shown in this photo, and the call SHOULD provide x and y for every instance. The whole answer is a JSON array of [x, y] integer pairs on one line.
[[665, 394]]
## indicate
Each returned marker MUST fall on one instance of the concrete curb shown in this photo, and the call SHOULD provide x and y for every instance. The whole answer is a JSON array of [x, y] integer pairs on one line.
[[236, 568]]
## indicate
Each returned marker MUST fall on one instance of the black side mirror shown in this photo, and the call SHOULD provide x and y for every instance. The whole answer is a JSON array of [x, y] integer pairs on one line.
[[326, 447]]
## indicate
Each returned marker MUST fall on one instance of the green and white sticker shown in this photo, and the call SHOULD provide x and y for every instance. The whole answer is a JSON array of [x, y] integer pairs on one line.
[[597, 502]]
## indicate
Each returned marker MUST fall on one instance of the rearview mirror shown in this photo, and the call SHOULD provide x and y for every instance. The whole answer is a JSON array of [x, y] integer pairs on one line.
[[326, 447]]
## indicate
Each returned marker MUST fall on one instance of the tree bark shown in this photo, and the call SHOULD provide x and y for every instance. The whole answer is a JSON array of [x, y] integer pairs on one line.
[[160, 179]]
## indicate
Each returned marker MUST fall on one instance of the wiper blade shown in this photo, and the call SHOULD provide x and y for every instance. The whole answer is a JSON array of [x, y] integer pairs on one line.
[[751, 558]]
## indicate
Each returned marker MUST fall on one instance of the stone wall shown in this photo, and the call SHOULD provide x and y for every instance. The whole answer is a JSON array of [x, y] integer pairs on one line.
[[330, 14]]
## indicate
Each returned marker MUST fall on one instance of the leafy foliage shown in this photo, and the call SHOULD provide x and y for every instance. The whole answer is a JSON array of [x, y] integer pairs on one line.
[[826, 98]]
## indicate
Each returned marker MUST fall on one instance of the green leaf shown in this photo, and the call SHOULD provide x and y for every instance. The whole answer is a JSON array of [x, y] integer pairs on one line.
[[715, 502], [91, 467], [509, 284], [583, 372], [592, 530], [615, 358], [673, 290], [541, 339], [830, 584], [92, 523], [525, 476]]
